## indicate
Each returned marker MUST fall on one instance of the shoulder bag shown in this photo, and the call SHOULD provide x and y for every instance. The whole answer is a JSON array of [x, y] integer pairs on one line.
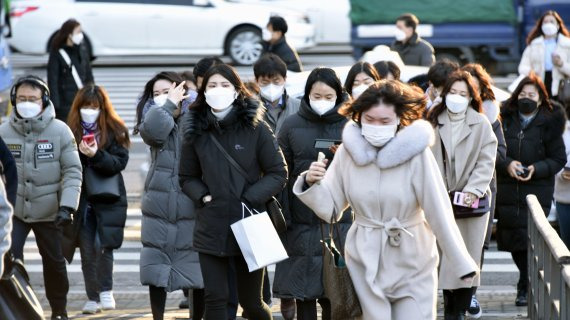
[[273, 206], [101, 188], [461, 212], [17, 298], [564, 91], [74, 72], [337, 283]]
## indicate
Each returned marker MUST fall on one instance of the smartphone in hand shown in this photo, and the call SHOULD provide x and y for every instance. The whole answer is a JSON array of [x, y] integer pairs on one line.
[[89, 139]]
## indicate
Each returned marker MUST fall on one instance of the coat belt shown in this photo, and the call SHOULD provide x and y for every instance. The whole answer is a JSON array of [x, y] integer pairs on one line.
[[392, 227]]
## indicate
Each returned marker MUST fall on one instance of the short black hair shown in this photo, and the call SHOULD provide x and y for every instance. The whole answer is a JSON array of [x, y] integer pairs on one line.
[[269, 65], [410, 20], [277, 23], [385, 67], [326, 76], [204, 64], [32, 81], [440, 71]]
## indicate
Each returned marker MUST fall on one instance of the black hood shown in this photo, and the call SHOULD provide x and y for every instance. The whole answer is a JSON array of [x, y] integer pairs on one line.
[[246, 112], [330, 116]]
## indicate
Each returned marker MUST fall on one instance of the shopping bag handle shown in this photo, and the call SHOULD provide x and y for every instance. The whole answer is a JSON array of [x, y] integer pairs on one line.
[[244, 207]]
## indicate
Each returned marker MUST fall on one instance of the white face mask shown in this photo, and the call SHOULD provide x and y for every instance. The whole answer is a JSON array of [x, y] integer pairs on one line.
[[220, 98], [322, 106], [456, 103], [399, 35], [378, 136], [549, 29], [28, 109], [272, 92], [89, 115], [160, 100], [266, 35], [358, 90], [77, 38]]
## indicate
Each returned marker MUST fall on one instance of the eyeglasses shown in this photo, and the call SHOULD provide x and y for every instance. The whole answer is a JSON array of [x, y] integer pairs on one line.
[[27, 99]]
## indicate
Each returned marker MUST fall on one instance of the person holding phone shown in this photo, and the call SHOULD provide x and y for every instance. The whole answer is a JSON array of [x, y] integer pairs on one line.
[[548, 51], [386, 172], [533, 125], [465, 150], [103, 141], [299, 277]]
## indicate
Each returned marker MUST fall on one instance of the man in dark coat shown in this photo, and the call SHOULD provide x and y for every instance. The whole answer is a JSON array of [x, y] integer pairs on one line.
[[274, 41], [413, 50]]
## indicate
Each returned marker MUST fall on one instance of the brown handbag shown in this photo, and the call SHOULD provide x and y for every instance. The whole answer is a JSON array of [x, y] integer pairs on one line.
[[564, 91], [337, 283]]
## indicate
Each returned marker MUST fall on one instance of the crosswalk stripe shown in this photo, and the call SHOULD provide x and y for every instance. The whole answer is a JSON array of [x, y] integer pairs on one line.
[[76, 268], [118, 256]]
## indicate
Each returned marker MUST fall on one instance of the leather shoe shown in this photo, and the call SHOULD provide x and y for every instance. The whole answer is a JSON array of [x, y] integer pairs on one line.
[[521, 299], [288, 309]]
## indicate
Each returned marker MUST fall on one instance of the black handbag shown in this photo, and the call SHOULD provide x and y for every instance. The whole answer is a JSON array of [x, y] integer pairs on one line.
[[337, 282], [461, 212], [564, 91], [17, 298], [101, 188], [273, 206]]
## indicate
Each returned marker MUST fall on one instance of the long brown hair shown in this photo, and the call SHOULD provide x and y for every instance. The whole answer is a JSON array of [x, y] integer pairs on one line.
[[60, 38], [459, 75], [511, 104], [409, 101], [537, 29], [485, 82], [110, 125]]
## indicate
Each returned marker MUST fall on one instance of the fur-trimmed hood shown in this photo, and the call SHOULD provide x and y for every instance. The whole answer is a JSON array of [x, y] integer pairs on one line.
[[246, 113], [407, 143]]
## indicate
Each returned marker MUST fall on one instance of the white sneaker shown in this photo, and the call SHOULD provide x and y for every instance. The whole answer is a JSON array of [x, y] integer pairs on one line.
[[91, 307], [474, 311], [107, 300]]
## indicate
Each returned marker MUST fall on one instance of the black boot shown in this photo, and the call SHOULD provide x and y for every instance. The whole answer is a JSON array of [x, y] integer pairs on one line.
[[521, 300]]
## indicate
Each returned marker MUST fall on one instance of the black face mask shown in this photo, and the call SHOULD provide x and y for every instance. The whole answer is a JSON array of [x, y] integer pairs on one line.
[[527, 106]]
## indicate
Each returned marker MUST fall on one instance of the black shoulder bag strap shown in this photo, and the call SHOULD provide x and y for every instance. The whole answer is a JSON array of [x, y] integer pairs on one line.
[[229, 158]]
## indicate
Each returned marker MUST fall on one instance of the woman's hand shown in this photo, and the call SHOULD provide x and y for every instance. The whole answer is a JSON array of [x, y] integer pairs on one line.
[[513, 168], [176, 93], [556, 60], [88, 150], [316, 172], [469, 198], [529, 176], [565, 174]]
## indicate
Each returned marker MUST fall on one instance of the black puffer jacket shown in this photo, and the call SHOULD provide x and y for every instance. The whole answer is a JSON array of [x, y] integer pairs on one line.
[[287, 53], [300, 276], [540, 145], [61, 84], [204, 170], [111, 217]]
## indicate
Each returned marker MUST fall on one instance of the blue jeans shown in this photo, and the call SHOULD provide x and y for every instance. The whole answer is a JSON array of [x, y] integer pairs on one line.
[[563, 212], [96, 262]]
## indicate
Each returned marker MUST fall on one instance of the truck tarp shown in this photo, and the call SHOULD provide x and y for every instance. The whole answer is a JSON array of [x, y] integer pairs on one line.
[[431, 12]]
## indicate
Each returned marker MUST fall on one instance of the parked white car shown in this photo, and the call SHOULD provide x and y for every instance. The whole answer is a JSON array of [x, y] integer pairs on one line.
[[156, 27], [330, 17]]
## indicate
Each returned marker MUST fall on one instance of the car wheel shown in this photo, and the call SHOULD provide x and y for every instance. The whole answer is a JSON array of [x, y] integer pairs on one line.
[[244, 46]]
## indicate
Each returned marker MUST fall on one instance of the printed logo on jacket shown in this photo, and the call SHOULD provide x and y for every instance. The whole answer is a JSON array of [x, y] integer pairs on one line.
[[44, 150]]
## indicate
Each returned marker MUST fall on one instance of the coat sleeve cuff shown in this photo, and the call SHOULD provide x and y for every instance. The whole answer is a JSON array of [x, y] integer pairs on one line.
[[317, 197]]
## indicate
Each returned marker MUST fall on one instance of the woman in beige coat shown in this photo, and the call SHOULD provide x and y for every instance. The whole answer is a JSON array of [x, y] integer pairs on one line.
[[548, 51], [465, 148], [386, 172]]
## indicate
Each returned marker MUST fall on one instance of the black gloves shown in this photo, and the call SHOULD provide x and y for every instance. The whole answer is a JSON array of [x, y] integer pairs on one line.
[[63, 217]]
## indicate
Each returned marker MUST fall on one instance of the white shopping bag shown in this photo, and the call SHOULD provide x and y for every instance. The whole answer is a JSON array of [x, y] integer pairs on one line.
[[258, 240]]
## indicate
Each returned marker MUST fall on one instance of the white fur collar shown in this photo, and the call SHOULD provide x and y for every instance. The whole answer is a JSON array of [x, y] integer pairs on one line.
[[408, 142], [562, 40], [491, 110]]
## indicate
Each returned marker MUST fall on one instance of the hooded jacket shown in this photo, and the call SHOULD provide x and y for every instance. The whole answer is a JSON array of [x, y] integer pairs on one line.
[[205, 171], [300, 276], [167, 259], [49, 169], [539, 144]]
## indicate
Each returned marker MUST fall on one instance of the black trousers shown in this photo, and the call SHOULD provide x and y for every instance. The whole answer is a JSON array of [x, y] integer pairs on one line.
[[307, 310], [249, 287], [457, 301], [48, 238], [158, 302], [520, 259]]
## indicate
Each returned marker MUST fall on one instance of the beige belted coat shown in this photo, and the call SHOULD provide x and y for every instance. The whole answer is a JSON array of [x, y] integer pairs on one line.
[[401, 207]]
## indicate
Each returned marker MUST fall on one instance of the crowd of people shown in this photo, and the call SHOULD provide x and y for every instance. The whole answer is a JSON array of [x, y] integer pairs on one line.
[[413, 175]]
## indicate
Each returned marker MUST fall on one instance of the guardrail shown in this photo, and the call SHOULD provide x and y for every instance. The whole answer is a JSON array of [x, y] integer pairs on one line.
[[548, 267]]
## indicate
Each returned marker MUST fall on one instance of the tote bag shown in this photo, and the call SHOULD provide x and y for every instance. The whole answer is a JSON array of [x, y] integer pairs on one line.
[[257, 239]]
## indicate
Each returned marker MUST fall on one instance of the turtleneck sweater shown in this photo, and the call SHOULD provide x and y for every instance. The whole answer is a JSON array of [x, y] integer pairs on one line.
[[220, 115], [457, 123]]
